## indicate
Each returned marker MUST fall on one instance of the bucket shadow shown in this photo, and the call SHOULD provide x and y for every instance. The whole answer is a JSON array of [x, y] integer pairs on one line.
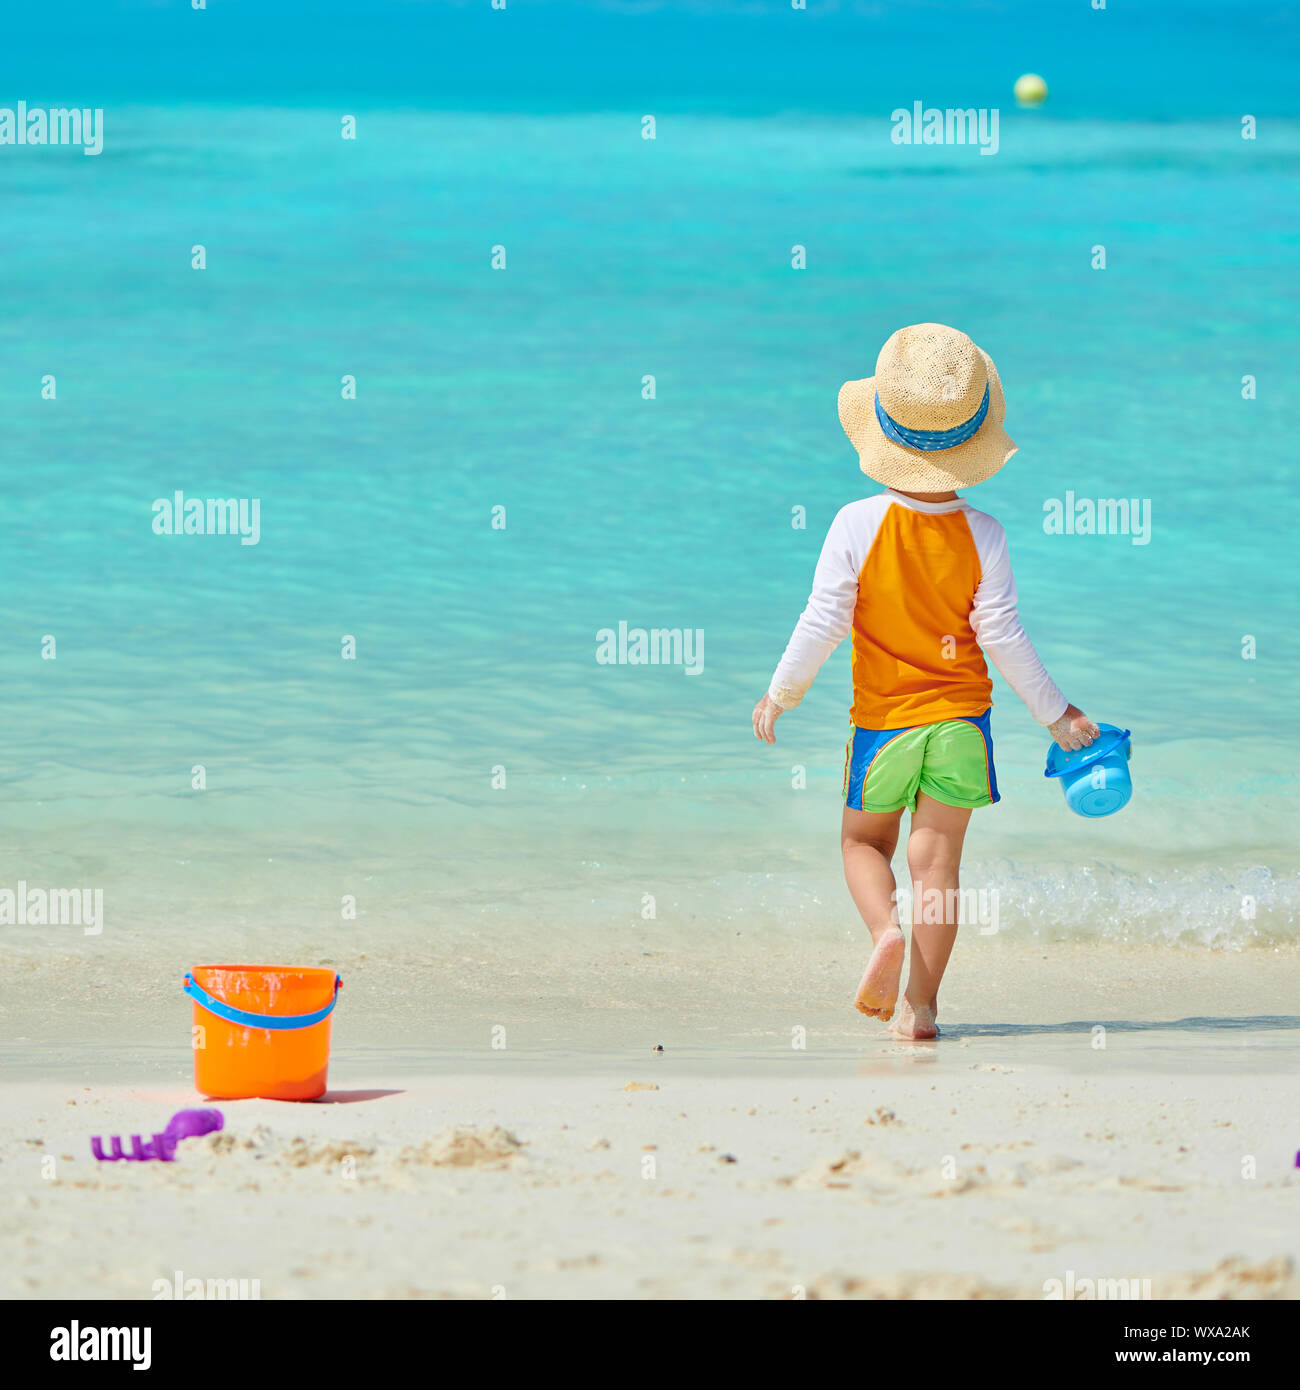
[[351, 1097]]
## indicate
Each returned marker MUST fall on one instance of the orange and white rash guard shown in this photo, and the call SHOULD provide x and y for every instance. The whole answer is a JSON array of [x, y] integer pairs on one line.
[[923, 586]]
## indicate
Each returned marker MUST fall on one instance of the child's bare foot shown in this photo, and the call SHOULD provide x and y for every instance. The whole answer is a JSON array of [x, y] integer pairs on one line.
[[914, 1025], [878, 992]]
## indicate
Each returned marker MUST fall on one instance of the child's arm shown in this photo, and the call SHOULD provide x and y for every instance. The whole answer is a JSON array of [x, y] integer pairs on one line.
[[996, 621], [824, 624]]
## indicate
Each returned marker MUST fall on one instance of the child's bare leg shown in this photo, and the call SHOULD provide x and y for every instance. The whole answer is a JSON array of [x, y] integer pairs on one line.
[[934, 858], [868, 840]]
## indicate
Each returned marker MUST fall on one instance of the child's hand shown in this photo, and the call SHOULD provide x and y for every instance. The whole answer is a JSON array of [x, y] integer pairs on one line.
[[1073, 730], [765, 717]]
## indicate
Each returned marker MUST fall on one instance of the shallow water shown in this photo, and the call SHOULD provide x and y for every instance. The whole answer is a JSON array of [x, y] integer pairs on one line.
[[627, 789]]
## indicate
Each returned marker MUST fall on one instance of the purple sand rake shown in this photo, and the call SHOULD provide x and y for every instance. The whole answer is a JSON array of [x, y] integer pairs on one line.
[[184, 1124]]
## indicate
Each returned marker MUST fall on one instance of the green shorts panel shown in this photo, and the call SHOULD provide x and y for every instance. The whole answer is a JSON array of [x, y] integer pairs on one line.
[[952, 761]]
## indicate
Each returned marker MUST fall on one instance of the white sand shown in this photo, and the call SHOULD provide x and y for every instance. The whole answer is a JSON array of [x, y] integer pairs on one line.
[[1007, 1155]]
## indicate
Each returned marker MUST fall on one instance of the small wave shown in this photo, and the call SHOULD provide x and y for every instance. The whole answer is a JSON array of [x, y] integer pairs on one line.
[[1220, 909], [1210, 907]]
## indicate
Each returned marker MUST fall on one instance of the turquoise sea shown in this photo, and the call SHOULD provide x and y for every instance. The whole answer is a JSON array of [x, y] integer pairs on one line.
[[475, 778]]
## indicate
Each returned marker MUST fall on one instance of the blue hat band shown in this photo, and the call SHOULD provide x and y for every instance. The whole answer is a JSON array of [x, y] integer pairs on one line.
[[931, 440]]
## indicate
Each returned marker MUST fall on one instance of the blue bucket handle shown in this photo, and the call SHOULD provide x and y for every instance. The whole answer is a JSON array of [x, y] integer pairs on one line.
[[250, 1020], [1110, 740]]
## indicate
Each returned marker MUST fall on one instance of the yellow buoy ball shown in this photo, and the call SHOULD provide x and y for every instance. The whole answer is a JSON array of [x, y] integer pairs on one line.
[[1031, 90]]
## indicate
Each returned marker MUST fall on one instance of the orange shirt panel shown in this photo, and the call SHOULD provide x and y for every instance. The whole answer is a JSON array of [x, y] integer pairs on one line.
[[915, 657]]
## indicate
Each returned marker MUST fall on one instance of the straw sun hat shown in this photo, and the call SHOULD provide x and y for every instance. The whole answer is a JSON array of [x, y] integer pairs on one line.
[[930, 420]]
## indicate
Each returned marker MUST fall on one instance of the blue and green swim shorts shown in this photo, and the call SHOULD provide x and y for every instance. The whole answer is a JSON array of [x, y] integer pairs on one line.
[[952, 761]]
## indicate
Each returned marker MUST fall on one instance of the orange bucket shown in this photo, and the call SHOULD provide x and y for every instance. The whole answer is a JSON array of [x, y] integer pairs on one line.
[[261, 1030]]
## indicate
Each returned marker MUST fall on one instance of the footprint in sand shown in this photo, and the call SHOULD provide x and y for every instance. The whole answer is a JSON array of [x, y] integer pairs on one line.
[[467, 1147]]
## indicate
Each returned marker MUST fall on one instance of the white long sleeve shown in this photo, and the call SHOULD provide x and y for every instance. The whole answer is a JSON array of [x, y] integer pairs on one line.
[[828, 616], [996, 623]]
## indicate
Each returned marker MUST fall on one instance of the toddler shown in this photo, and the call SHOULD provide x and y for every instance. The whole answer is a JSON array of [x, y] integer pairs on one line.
[[923, 582]]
